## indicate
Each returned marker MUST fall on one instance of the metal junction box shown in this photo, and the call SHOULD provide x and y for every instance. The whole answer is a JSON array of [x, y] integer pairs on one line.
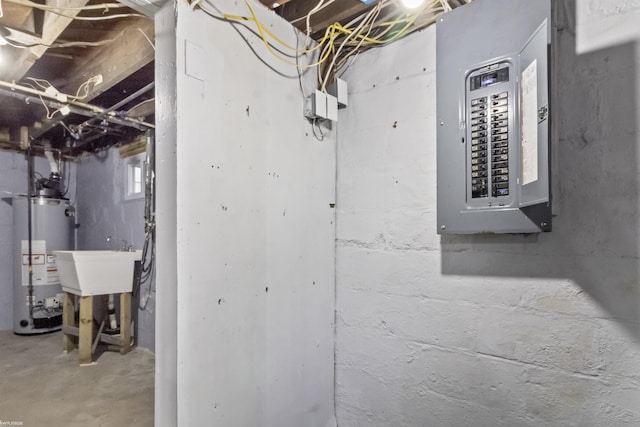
[[493, 117]]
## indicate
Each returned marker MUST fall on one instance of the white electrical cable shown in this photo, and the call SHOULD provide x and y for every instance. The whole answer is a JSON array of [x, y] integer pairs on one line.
[[66, 44], [105, 6], [314, 124], [146, 37], [355, 49], [446, 7], [139, 104], [311, 12], [81, 44], [56, 10], [382, 24], [372, 14], [100, 18]]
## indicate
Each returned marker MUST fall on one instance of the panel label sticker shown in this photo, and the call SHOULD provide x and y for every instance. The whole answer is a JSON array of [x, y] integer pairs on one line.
[[38, 262], [529, 123]]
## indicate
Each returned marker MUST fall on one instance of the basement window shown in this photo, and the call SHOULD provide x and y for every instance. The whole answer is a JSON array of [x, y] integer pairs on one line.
[[134, 177]]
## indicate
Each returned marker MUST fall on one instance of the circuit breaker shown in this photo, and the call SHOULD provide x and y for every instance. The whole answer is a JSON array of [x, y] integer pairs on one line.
[[493, 117]]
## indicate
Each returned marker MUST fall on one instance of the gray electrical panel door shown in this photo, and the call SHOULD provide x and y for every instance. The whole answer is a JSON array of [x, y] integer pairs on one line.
[[493, 117]]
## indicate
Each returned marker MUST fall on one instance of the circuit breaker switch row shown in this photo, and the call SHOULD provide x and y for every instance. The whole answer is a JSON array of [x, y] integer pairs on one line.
[[500, 144], [479, 148]]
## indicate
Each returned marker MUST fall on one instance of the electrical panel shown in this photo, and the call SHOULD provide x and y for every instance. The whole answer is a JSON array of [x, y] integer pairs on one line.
[[493, 117]]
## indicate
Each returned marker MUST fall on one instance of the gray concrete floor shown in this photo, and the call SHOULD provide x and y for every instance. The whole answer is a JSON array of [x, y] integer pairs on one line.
[[40, 385]]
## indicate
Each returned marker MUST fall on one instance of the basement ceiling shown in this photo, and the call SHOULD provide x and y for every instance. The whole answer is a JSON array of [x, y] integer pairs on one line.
[[75, 50], [81, 76]]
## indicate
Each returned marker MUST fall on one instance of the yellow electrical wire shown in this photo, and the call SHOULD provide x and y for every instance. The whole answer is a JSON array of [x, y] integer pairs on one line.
[[352, 39], [329, 36], [261, 31], [343, 60], [409, 21], [368, 21], [266, 30], [359, 37]]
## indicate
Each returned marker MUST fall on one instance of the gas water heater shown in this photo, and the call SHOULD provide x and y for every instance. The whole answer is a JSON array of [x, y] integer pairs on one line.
[[493, 113], [37, 300]]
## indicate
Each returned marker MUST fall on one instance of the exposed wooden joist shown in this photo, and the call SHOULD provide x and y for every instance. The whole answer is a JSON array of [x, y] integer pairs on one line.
[[337, 11], [53, 26], [17, 16], [137, 146], [114, 61]]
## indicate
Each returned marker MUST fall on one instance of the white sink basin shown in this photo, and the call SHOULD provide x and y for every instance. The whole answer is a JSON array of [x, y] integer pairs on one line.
[[96, 272]]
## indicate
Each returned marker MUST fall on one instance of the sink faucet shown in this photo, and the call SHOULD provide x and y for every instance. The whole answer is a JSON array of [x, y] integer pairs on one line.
[[126, 247]]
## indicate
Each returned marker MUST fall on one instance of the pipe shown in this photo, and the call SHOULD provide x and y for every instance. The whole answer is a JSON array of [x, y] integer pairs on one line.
[[114, 107], [148, 248], [29, 230], [126, 247], [149, 180], [53, 164], [81, 109], [25, 89], [112, 313]]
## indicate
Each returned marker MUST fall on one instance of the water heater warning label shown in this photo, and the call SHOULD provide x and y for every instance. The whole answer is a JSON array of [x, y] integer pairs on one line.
[[45, 271]]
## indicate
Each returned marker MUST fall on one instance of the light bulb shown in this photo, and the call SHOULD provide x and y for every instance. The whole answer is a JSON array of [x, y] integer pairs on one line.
[[412, 4]]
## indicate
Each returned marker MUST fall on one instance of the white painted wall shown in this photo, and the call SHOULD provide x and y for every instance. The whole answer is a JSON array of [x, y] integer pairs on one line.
[[13, 179], [255, 234], [539, 330], [103, 211], [166, 373]]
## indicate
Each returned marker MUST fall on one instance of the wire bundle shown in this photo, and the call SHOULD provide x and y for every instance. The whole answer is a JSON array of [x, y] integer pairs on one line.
[[384, 23]]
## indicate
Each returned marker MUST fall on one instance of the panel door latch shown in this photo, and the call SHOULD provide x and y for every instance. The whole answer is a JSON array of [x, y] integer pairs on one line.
[[543, 114]]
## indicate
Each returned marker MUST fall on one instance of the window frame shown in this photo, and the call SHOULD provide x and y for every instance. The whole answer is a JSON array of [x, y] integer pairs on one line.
[[130, 165]]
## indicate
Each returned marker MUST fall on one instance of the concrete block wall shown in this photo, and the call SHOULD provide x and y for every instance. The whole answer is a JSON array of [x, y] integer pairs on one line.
[[102, 211], [512, 330], [13, 180]]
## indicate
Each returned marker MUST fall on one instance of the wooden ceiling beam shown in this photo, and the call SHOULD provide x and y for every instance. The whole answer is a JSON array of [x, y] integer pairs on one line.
[[114, 61], [53, 25], [337, 11], [17, 16]]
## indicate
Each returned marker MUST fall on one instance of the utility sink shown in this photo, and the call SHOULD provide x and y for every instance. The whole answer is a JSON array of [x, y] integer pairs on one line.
[[96, 272]]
